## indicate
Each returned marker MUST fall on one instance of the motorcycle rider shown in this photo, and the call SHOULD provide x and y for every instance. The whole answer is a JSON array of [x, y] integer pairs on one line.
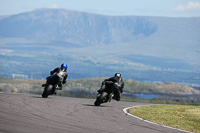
[[116, 83], [58, 76]]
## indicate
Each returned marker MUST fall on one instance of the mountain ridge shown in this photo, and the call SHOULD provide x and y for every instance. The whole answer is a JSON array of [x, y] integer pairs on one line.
[[82, 23], [97, 45]]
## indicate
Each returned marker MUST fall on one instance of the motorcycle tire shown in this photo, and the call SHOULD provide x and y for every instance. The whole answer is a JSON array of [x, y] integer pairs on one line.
[[47, 91], [101, 99]]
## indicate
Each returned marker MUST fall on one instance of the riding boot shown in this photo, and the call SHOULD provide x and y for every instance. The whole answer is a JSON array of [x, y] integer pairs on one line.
[[100, 90], [43, 85], [110, 97], [116, 98]]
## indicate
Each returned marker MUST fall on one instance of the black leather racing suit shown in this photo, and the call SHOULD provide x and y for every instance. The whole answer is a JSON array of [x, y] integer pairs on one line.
[[115, 83], [58, 78]]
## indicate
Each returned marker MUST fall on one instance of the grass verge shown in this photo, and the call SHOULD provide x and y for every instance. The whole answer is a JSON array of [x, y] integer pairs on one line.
[[184, 117], [160, 101]]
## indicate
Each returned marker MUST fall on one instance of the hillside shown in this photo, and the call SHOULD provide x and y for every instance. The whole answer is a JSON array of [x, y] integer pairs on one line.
[[56, 25], [93, 84], [89, 86], [142, 48], [59, 25]]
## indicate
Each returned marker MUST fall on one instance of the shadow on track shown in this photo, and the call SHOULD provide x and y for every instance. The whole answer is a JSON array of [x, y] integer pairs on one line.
[[95, 106], [40, 97]]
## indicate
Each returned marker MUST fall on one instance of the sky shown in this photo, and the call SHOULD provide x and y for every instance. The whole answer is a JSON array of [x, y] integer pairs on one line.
[[164, 8]]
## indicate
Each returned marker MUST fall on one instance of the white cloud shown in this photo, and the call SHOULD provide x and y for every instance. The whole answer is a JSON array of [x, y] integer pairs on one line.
[[55, 6], [191, 6]]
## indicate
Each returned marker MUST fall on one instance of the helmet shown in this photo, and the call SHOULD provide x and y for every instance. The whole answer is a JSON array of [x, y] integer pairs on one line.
[[64, 66], [118, 75]]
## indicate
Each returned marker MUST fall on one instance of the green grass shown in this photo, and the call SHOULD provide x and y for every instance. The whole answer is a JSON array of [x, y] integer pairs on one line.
[[177, 102], [87, 85], [184, 117]]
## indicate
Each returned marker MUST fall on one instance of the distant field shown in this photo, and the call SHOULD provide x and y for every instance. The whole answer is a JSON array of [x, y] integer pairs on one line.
[[87, 87], [177, 116]]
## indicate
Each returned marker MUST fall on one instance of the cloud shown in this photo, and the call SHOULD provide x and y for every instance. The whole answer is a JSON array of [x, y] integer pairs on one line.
[[55, 6], [191, 6]]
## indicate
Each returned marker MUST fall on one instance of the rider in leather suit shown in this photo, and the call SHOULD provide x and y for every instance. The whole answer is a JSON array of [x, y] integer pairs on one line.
[[116, 83], [59, 76]]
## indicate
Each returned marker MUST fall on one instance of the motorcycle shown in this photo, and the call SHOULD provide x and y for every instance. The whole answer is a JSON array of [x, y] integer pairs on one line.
[[51, 86], [103, 96]]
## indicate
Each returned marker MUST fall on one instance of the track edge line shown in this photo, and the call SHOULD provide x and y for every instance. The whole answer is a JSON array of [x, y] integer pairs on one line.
[[126, 111]]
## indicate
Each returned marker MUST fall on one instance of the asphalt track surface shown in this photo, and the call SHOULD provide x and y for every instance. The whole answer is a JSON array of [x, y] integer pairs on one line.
[[27, 113]]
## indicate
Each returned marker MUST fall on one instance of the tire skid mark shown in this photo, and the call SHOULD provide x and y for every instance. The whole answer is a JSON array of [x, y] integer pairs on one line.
[[76, 109], [63, 114]]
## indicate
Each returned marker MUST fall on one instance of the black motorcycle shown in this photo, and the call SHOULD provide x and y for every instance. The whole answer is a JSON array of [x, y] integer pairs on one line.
[[104, 95], [51, 86]]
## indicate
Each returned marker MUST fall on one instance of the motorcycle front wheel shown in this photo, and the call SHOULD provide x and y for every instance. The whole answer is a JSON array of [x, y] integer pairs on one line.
[[47, 91], [101, 98]]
